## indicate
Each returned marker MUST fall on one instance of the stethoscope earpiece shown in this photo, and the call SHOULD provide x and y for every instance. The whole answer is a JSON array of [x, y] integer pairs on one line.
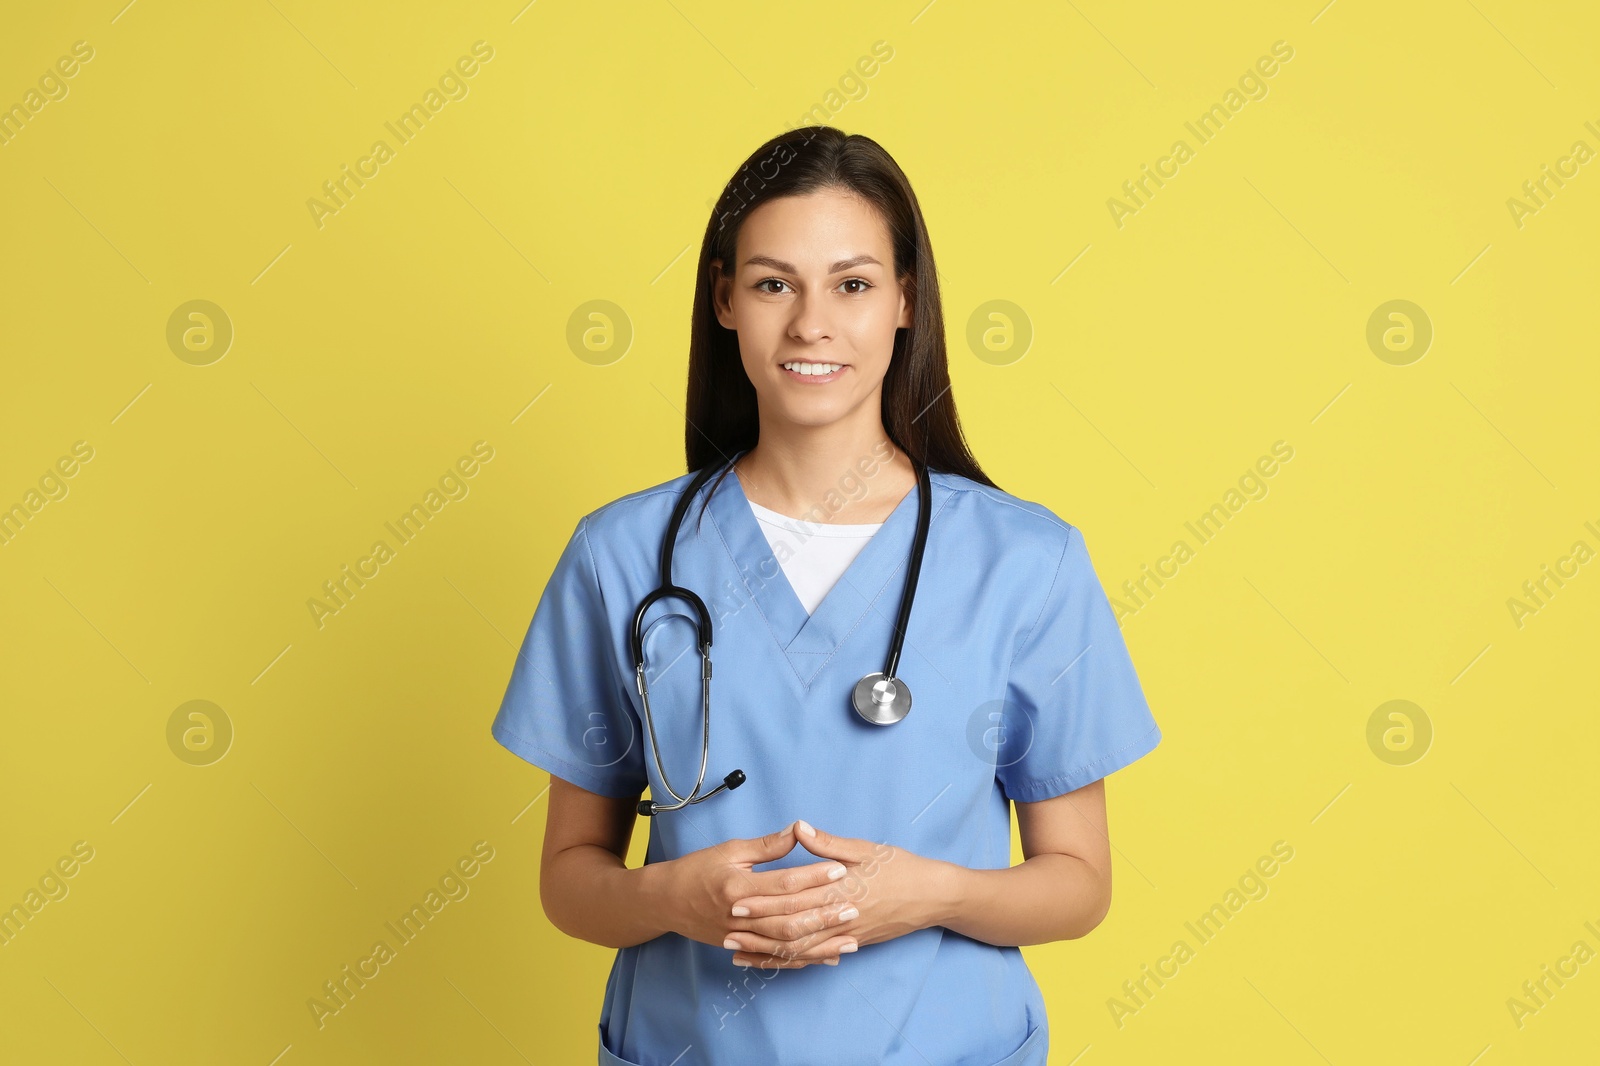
[[879, 698]]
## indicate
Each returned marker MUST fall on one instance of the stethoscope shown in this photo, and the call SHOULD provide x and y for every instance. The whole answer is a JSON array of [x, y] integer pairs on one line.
[[879, 698]]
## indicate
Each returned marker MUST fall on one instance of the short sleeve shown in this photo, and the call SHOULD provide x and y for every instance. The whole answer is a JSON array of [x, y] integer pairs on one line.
[[565, 709], [1074, 711]]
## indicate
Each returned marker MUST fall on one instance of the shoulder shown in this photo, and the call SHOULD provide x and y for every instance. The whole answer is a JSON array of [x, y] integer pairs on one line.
[[1007, 522], [617, 523], [1042, 554]]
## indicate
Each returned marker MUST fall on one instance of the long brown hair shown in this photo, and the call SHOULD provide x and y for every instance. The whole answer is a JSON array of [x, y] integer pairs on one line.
[[919, 413]]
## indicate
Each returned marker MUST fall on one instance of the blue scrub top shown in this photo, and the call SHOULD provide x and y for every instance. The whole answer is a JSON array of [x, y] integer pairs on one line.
[[1022, 689]]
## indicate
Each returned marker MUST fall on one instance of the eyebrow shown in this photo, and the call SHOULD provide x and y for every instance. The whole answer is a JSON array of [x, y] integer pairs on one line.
[[790, 268]]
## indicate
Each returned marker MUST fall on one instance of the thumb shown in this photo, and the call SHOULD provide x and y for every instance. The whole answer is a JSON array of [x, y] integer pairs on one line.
[[828, 846], [768, 847]]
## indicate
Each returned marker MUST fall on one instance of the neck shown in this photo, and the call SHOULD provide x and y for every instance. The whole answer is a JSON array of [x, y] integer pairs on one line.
[[827, 474]]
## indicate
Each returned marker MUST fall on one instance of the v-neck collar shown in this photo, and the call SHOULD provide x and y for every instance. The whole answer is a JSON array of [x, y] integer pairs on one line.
[[810, 641]]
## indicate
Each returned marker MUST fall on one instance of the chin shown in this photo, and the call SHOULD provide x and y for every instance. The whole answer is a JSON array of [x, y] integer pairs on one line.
[[810, 414]]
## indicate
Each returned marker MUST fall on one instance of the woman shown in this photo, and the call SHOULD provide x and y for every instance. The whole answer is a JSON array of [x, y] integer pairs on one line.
[[818, 378]]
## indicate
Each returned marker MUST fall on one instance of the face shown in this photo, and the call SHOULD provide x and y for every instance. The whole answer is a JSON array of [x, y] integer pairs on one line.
[[815, 302]]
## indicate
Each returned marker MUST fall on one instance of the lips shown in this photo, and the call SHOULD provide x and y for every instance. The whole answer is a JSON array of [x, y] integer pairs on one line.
[[809, 373]]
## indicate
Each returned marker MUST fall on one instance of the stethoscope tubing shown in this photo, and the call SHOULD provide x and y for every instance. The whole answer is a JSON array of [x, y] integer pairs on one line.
[[667, 590]]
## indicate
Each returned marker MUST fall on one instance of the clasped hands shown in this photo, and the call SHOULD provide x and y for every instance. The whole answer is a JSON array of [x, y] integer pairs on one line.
[[791, 918]]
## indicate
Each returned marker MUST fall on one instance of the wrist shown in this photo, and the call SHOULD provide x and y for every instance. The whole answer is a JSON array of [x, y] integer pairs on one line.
[[658, 897], [946, 893]]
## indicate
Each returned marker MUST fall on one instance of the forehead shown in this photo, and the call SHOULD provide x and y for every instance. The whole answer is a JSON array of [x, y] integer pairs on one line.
[[815, 230]]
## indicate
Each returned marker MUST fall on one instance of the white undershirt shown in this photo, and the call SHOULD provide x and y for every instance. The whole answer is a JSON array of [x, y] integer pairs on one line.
[[813, 554]]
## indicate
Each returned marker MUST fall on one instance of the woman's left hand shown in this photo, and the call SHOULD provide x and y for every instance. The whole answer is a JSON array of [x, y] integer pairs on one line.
[[886, 892]]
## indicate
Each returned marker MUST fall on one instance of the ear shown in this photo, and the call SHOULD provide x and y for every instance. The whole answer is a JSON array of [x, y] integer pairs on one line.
[[908, 296], [721, 288]]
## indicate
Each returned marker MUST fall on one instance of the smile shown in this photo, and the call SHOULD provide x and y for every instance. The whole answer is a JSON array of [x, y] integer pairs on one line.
[[814, 373]]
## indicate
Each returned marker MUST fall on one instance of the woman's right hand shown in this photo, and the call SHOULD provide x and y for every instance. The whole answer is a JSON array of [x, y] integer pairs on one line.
[[700, 889]]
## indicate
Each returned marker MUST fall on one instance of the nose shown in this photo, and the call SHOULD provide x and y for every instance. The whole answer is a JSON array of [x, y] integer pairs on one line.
[[810, 322]]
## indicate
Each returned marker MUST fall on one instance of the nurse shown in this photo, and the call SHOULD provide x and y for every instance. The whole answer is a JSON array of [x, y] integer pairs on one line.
[[853, 900]]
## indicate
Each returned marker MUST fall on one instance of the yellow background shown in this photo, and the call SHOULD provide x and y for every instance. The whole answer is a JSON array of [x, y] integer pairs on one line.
[[369, 354]]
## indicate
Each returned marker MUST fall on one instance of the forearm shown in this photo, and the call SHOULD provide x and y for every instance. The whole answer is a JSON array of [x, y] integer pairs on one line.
[[590, 894], [1049, 897]]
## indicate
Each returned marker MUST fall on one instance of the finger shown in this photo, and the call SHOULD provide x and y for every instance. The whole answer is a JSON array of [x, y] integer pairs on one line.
[[829, 949], [766, 906], [794, 879], [824, 941], [771, 962], [820, 842], [796, 930], [773, 845], [762, 961], [791, 927]]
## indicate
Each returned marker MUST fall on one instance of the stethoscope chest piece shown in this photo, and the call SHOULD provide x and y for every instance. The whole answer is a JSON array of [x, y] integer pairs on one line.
[[881, 700]]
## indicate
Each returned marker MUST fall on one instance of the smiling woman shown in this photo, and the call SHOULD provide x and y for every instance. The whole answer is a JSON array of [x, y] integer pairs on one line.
[[857, 829]]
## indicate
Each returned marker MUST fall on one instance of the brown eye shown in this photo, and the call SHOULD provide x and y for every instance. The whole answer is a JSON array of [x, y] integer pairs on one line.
[[857, 281]]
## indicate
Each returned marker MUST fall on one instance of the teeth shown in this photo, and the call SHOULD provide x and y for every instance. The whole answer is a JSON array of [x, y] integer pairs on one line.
[[812, 369]]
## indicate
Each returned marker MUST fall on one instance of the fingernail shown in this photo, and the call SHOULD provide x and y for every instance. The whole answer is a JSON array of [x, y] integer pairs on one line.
[[804, 828], [848, 947], [848, 913], [835, 872], [741, 912], [830, 962], [732, 943]]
